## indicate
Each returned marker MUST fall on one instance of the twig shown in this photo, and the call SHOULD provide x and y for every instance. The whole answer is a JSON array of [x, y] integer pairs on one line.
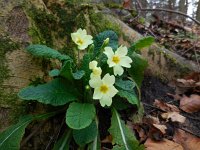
[[166, 10]]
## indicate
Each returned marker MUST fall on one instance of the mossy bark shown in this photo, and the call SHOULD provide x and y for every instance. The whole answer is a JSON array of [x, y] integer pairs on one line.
[[48, 22]]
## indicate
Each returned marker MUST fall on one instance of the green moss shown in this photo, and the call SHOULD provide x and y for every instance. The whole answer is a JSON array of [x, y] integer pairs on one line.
[[7, 98], [101, 23], [43, 24], [173, 63]]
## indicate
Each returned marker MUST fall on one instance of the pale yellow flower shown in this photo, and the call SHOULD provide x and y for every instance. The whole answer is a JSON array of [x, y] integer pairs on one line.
[[96, 71], [81, 38], [104, 89], [118, 59]]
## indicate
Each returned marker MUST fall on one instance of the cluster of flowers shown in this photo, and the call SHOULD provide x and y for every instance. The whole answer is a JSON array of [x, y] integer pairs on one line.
[[104, 88]]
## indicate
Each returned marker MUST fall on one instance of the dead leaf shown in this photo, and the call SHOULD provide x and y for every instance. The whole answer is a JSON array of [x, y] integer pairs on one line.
[[141, 132], [162, 128], [174, 116], [162, 145], [183, 85], [108, 139], [187, 140], [127, 4], [190, 104], [150, 120], [166, 107]]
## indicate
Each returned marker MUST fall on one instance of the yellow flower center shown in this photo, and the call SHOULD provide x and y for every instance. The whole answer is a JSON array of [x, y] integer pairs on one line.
[[116, 59], [104, 89], [80, 41]]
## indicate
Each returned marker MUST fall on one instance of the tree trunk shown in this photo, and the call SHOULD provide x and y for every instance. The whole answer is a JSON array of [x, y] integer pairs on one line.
[[50, 23], [198, 11], [182, 8]]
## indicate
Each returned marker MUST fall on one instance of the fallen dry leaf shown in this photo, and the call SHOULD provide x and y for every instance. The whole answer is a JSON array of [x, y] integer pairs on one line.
[[166, 107], [141, 132], [184, 85], [162, 128], [174, 116], [187, 140], [162, 145], [190, 104], [150, 120], [108, 139]]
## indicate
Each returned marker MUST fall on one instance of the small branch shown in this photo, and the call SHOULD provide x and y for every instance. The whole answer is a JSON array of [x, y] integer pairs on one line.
[[167, 10]]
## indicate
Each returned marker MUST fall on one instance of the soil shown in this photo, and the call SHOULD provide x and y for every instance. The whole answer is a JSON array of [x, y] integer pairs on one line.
[[154, 88]]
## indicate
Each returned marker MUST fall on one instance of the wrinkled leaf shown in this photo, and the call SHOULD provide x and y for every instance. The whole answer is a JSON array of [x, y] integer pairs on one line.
[[56, 92], [46, 52], [137, 68], [162, 145], [187, 140], [80, 115], [85, 67], [66, 70], [190, 104], [99, 40], [165, 107], [125, 84], [54, 73], [174, 117], [130, 96], [78, 74], [86, 135]]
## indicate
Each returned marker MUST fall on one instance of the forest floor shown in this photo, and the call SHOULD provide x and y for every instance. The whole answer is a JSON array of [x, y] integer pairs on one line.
[[172, 109]]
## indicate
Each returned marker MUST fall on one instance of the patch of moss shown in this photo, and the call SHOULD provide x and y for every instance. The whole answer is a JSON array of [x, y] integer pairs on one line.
[[7, 98], [101, 23], [44, 23], [182, 69]]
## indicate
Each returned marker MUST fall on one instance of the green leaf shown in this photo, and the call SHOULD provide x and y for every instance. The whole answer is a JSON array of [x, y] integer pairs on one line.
[[80, 115], [99, 40], [66, 70], [54, 73], [11, 137], [95, 145], [142, 43], [78, 74], [56, 92], [125, 84], [86, 135], [130, 96], [138, 66], [63, 142], [85, 67], [123, 137], [46, 52]]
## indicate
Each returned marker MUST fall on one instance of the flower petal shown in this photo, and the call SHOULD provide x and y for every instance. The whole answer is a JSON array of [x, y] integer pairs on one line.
[[125, 61], [109, 52], [112, 91], [105, 100], [118, 70], [95, 82], [97, 94], [81, 31], [121, 51], [93, 64], [108, 79]]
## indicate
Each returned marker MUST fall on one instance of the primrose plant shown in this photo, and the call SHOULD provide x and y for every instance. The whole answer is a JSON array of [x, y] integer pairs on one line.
[[108, 75]]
